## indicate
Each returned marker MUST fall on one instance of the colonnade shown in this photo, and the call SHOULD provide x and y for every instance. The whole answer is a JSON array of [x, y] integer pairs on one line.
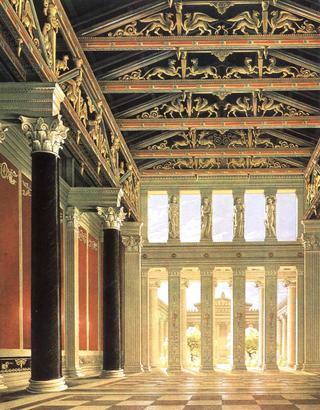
[[273, 334]]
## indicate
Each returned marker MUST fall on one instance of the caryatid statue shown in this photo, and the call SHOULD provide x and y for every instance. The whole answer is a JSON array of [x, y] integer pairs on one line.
[[270, 221], [174, 217], [206, 219], [238, 218]]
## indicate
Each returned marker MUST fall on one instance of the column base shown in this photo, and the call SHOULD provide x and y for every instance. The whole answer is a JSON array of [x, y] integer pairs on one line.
[[236, 369], [270, 367], [73, 373], [110, 374], [134, 369], [47, 386], [298, 367], [207, 369], [3, 387], [311, 368], [146, 368], [174, 369]]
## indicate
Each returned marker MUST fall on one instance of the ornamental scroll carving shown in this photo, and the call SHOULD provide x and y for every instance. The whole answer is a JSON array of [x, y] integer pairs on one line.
[[3, 131], [132, 243], [8, 174], [45, 134], [73, 218], [112, 217]]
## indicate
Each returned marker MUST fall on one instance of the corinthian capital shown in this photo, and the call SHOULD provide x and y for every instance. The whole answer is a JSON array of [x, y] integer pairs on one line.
[[112, 217], [45, 134], [3, 131], [132, 243], [311, 242]]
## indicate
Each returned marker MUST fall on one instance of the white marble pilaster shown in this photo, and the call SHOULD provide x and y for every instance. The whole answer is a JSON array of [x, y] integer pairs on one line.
[[260, 286], [174, 321], [279, 338], [238, 317], [184, 346], [207, 320], [300, 320], [311, 242], [72, 363], [154, 323], [291, 324], [145, 354], [270, 318], [131, 238]]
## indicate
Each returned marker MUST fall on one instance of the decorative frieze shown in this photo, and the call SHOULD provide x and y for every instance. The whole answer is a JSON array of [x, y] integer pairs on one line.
[[45, 134], [112, 217]]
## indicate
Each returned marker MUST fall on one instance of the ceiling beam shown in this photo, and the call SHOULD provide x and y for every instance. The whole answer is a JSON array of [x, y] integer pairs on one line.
[[219, 172], [208, 86], [230, 42], [116, 22], [294, 59], [134, 124], [223, 152], [313, 160], [289, 138], [293, 102], [298, 9]]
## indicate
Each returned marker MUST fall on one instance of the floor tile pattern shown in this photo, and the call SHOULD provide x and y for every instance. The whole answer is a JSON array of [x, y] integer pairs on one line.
[[181, 391]]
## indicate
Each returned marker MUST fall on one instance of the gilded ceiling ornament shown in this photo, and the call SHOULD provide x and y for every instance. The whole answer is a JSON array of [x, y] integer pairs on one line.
[[238, 142], [247, 70], [50, 31], [3, 131], [286, 144], [45, 134], [198, 21], [242, 105], [222, 54], [209, 163], [27, 17], [134, 75], [160, 21], [266, 142], [246, 21], [159, 72], [129, 30], [115, 148], [112, 217], [8, 174], [202, 106], [62, 65], [292, 111], [306, 73], [236, 163], [154, 113], [285, 21], [175, 106], [285, 71], [204, 72], [162, 146], [221, 6], [268, 104]]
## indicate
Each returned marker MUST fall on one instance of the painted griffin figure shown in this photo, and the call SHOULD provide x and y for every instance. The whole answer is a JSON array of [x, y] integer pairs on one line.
[[284, 20], [246, 21], [158, 22], [198, 21]]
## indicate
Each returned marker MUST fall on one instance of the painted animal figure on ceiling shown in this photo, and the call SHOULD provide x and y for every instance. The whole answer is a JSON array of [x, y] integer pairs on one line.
[[242, 105], [246, 21], [286, 71], [170, 71], [283, 20], [198, 21], [160, 21], [203, 141], [176, 106], [268, 104], [206, 71], [202, 105], [248, 69]]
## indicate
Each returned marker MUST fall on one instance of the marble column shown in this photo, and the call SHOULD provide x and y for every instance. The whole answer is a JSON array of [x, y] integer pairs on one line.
[[260, 286], [131, 238], [161, 336], [284, 347], [112, 346], [174, 321], [154, 323], [184, 346], [311, 242], [291, 324], [72, 366], [145, 320], [238, 317], [46, 136], [207, 320], [300, 320], [270, 319]]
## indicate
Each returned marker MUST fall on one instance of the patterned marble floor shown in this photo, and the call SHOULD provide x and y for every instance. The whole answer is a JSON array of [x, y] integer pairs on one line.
[[182, 391]]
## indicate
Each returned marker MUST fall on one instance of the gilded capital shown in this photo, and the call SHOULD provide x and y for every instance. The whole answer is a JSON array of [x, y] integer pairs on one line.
[[45, 134], [3, 131], [239, 271], [73, 217], [112, 217], [271, 270]]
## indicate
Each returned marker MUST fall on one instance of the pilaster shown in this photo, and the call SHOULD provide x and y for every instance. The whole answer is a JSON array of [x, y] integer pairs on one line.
[[291, 327], [145, 320], [260, 286], [284, 346], [183, 307], [174, 321], [72, 366], [131, 238], [270, 318], [154, 323], [238, 318], [311, 243], [207, 320], [300, 319]]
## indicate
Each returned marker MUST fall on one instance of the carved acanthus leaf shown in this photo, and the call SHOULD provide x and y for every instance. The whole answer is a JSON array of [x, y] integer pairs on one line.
[[8, 174], [112, 217], [132, 243], [310, 241]]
